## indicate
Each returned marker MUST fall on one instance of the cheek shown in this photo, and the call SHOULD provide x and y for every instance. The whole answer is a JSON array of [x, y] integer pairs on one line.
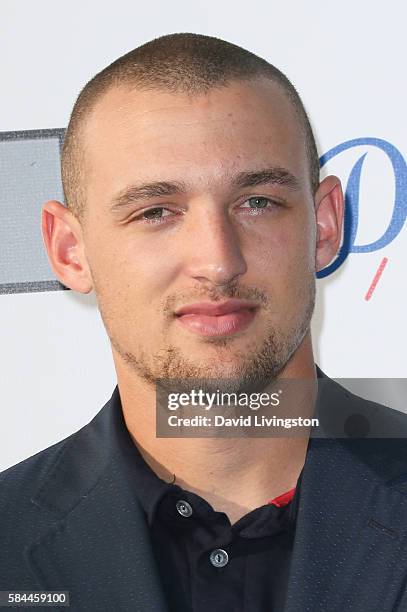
[[129, 278], [286, 252]]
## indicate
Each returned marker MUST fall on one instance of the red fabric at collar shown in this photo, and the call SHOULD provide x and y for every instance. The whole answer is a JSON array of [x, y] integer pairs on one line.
[[283, 499]]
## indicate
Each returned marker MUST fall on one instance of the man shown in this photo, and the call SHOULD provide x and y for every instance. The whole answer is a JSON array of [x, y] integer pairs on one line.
[[196, 214]]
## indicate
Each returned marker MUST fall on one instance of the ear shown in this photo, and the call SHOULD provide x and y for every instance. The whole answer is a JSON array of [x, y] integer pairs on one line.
[[62, 235], [329, 210]]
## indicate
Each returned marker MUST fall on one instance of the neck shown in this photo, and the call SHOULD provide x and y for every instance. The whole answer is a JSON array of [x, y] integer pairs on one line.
[[235, 475]]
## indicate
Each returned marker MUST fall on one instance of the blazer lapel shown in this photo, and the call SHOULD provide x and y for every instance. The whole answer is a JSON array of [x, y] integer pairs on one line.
[[350, 548], [97, 546]]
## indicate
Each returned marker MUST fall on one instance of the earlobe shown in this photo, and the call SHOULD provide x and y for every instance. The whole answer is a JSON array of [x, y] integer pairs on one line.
[[329, 218], [62, 237]]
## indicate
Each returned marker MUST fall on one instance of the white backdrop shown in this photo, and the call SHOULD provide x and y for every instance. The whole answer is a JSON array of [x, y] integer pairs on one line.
[[347, 62]]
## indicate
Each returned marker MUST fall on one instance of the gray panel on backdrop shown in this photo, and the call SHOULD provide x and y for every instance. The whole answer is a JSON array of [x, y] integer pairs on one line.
[[30, 175]]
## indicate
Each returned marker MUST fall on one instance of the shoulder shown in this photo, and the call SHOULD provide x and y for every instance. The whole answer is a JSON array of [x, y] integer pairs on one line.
[[20, 519], [19, 482], [38, 493], [334, 397], [373, 432], [346, 414]]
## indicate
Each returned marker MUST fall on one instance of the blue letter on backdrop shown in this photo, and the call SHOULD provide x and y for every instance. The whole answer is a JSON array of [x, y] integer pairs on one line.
[[352, 200]]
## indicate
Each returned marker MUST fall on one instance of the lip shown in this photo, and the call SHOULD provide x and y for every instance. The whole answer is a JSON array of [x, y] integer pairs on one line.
[[208, 319], [216, 309]]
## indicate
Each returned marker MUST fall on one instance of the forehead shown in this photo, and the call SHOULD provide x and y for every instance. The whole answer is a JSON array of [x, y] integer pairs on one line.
[[155, 134]]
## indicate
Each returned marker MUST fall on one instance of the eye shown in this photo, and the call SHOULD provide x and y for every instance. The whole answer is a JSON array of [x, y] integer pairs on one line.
[[258, 203], [153, 215]]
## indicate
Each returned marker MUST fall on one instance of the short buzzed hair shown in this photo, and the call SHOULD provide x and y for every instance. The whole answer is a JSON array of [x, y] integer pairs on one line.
[[178, 63]]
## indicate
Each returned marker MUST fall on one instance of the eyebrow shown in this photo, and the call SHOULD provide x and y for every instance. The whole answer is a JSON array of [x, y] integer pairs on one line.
[[268, 176], [159, 189]]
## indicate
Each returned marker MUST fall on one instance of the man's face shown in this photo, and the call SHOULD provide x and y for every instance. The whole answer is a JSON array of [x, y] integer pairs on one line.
[[206, 234]]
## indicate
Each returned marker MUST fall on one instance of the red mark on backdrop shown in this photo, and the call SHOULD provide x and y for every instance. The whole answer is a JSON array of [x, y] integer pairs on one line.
[[376, 278]]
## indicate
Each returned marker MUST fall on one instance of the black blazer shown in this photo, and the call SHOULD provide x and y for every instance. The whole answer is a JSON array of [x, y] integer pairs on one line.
[[70, 519]]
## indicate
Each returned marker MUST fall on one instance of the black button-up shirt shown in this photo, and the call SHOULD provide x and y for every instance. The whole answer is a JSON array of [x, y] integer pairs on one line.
[[206, 563]]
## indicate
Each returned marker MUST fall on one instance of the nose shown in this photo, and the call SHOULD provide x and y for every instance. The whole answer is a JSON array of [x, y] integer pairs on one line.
[[214, 251]]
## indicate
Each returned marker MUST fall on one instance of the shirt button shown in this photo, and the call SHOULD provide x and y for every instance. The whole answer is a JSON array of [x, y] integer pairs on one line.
[[219, 557], [184, 508]]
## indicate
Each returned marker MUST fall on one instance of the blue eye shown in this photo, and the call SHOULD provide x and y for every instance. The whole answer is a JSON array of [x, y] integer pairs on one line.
[[258, 202]]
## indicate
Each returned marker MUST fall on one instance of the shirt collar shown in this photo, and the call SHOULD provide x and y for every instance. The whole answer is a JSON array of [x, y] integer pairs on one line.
[[149, 486], [152, 489]]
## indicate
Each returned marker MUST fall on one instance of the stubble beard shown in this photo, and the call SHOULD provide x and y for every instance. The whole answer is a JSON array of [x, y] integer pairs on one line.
[[238, 372]]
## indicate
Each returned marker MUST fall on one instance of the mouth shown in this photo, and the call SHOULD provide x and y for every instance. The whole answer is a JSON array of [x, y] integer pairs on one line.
[[210, 319]]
